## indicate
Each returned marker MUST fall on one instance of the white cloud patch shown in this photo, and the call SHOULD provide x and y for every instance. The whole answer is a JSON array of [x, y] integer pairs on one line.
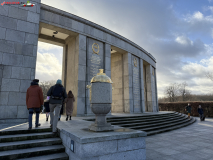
[[198, 15], [184, 40], [48, 67]]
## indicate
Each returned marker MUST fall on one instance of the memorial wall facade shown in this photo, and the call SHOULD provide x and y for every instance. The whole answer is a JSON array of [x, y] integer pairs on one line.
[[87, 47]]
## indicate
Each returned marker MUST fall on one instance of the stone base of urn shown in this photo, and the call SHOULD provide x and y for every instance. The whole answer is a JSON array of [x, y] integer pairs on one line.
[[100, 121], [99, 128]]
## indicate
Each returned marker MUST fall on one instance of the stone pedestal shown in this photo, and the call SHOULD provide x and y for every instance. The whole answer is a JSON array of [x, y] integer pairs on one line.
[[120, 144]]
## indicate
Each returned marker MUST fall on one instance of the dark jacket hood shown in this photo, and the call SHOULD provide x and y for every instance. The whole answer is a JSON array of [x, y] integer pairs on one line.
[[34, 83]]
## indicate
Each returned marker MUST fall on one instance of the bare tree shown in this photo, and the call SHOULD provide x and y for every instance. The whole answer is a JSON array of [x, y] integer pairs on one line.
[[172, 92], [45, 86], [183, 92], [209, 75]]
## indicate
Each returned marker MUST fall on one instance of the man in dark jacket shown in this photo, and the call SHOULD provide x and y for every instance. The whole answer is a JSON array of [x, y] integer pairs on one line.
[[200, 111], [57, 94], [189, 109], [34, 100]]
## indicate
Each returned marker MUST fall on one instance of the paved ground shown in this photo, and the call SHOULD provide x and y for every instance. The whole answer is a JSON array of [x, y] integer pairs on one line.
[[194, 142]]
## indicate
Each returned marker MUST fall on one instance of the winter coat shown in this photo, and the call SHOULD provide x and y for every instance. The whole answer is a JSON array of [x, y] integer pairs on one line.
[[189, 109], [69, 104], [56, 101], [34, 96], [46, 105], [200, 111]]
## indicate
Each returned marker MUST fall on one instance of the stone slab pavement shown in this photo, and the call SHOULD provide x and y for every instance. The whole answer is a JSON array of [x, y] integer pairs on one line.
[[193, 142]]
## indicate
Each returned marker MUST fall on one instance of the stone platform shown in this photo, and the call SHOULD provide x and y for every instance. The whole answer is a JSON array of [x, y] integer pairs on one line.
[[121, 143]]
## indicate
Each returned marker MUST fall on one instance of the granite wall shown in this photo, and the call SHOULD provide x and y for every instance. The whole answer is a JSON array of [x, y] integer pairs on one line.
[[19, 28]]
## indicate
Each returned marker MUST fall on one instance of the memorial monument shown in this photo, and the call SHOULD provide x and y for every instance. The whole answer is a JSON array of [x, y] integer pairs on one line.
[[88, 47]]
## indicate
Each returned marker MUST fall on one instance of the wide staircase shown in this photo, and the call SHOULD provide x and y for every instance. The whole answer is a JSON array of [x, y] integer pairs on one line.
[[35, 144], [152, 124]]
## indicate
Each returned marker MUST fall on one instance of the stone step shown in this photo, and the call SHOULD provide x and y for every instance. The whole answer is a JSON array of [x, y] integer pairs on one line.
[[144, 120], [135, 117], [31, 152], [140, 127], [164, 126], [29, 144], [171, 128], [23, 137], [138, 123], [37, 130], [58, 156]]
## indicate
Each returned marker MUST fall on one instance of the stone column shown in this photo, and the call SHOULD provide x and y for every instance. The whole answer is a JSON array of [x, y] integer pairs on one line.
[[107, 54], [157, 107], [76, 72], [19, 27], [142, 87], [107, 64], [149, 87], [127, 77]]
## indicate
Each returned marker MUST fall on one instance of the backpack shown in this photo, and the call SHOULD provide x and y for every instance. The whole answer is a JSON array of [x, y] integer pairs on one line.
[[58, 92]]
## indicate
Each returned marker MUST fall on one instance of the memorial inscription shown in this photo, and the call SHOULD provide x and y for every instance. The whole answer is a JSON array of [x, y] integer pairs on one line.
[[136, 86]]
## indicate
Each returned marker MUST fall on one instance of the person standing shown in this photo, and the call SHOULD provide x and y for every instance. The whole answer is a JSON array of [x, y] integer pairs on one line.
[[57, 94], [200, 111], [189, 109], [69, 104], [34, 101]]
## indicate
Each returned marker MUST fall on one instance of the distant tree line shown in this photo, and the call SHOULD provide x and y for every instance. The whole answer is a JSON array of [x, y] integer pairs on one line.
[[45, 86], [178, 92]]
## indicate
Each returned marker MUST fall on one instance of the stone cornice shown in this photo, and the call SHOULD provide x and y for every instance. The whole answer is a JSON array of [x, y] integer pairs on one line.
[[84, 21]]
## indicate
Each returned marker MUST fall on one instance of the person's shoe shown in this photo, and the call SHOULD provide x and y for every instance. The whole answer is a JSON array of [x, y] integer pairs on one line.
[[29, 128], [70, 118], [55, 134], [47, 119], [67, 118], [58, 119], [37, 125]]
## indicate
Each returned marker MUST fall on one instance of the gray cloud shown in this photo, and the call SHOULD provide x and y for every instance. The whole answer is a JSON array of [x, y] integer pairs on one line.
[[155, 27]]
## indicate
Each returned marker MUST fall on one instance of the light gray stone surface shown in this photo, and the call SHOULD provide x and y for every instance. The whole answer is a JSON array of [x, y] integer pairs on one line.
[[10, 85], [7, 22], [101, 93], [25, 26], [4, 98], [21, 73], [14, 35], [11, 59], [118, 144], [9, 111], [6, 46], [17, 13], [2, 33]]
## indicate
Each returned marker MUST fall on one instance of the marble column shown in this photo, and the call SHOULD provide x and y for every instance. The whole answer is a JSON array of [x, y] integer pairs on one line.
[[127, 77], [142, 87], [149, 88], [76, 72]]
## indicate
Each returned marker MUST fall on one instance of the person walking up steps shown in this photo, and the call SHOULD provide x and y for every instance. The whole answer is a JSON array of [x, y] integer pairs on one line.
[[69, 104], [34, 101], [57, 94]]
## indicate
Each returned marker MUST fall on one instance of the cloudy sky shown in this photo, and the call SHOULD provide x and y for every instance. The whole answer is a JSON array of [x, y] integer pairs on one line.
[[178, 33]]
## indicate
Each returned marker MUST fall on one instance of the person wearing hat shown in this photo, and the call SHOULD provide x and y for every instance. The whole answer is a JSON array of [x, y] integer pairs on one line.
[[34, 101], [57, 95]]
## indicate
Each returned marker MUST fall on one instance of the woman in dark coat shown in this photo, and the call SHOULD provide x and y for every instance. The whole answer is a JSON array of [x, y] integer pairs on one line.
[[69, 104]]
